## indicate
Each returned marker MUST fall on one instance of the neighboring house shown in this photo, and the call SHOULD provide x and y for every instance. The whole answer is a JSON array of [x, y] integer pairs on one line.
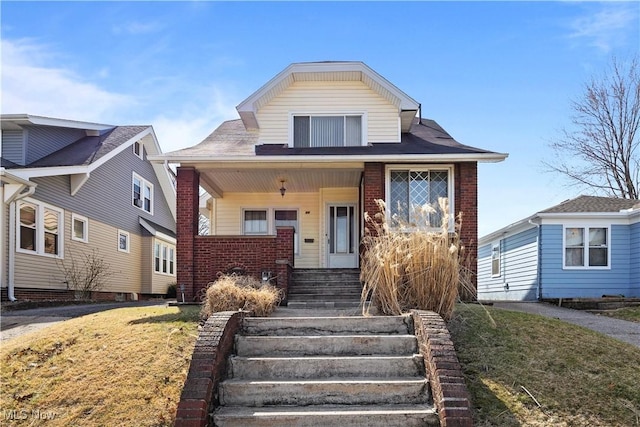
[[585, 247], [291, 179], [72, 188]]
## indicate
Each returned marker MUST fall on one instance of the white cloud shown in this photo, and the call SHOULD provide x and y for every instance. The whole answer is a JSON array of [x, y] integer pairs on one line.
[[606, 28], [30, 86]]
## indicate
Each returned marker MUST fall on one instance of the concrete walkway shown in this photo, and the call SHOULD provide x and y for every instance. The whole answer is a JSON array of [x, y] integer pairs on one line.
[[622, 330]]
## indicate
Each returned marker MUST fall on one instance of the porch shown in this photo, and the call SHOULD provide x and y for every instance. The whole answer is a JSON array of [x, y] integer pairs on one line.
[[315, 222]]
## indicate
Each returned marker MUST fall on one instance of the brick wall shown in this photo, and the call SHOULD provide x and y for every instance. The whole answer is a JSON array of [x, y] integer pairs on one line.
[[450, 394], [208, 366], [466, 201], [187, 201], [213, 255], [373, 189]]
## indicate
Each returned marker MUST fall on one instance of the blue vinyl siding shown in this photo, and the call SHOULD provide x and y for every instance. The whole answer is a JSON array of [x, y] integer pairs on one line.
[[557, 282], [634, 261], [519, 268], [107, 195], [12, 146]]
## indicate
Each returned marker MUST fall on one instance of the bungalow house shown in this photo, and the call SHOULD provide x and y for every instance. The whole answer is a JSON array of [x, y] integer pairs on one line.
[[291, 179], [585, 247], [71, 189]]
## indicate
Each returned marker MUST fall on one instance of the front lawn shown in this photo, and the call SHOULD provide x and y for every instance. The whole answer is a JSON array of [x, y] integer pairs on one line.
[[123, 367]]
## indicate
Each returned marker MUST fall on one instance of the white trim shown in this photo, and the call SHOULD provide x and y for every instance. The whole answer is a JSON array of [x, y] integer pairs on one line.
[[267, 215], [143, 183], [383, 158], [85, 221], [427, 167], [498, 246], [585, 236], [28, 119], [162, 244], [124, 233], [39, 228], [140, 145]]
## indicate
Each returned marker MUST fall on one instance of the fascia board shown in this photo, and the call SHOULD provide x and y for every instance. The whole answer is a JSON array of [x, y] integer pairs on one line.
[[509, 230], [403, 158], [50, 121], [624, 218]]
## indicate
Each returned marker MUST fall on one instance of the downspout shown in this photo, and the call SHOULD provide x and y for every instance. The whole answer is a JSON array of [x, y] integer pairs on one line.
[[12, 241], [538, 260]]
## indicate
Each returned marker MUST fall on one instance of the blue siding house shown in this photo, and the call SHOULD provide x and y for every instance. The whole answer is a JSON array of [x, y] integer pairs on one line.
[[586, 247]]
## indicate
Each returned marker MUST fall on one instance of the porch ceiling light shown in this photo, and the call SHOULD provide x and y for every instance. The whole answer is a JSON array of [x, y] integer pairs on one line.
[[282, 189]]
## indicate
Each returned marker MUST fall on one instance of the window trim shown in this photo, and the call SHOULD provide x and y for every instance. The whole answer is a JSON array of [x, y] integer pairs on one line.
[[422, 168], [140, 153], [497, 246], [75, 217], [164, 263], [40, 207], [128, 235], [585, 261], [267, 212], [271, 223], [361, 113], [143, 183]]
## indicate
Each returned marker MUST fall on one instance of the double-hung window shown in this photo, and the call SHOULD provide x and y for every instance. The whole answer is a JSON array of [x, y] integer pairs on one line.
[[142, 191], [327, 130], [255, 221], [164, 258], [586, 247], [288, 218], [40, 229], [414, 195], [265, 221]]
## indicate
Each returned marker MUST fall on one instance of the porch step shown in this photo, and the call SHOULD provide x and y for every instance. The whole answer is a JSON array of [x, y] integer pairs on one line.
[[324, 288], [325, 371]]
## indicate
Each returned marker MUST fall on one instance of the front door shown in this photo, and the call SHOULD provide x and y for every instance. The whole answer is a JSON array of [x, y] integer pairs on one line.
[[342, 236]]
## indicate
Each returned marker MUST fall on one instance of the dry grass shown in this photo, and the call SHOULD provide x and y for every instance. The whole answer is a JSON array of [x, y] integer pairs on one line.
[[233, 292], [123, 367], [631, 314], [407, 267], [579, 377]]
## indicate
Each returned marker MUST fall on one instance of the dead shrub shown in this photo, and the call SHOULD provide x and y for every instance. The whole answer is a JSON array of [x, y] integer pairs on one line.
[[233, 292], [411, 266]]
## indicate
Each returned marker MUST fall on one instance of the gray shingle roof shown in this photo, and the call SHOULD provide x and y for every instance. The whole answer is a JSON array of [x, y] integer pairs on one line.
[[592, 204], [89, 149], [232, 139]]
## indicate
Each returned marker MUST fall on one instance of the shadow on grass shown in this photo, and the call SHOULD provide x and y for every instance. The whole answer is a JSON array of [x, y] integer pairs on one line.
[[185, 314], [488, 409]]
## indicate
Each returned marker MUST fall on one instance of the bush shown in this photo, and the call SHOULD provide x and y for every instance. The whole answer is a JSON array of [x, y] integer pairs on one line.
[[172, 290], [407, 267], [233, 292]]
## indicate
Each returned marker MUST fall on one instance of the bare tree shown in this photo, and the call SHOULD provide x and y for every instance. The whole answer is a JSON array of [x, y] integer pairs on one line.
[[601, 150], [85, 275], [203, 225]]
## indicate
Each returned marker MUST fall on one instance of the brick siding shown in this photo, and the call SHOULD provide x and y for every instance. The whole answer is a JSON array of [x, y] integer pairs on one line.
[[450, 394], [466, 201]]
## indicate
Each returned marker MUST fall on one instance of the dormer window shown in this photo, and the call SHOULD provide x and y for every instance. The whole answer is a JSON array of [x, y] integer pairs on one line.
[[327, 131]]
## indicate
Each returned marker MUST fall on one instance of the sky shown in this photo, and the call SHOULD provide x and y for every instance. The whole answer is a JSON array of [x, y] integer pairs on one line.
[[496, 75]]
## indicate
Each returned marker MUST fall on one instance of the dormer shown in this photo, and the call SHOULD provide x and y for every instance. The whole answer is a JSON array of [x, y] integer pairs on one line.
[[328, 104]]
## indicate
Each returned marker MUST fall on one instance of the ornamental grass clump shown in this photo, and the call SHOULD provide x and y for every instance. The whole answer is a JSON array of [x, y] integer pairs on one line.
[[412, 265], [234, 292]]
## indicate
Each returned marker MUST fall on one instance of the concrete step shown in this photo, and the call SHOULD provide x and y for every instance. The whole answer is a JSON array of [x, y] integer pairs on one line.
[[324, 297], [352, 325], [319, 367], [323, 304], [328, 415], [330, 392], [337, 345]]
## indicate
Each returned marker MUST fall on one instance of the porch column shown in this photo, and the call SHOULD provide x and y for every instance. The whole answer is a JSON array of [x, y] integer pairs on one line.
[[466, 201], [285, 257], [373, 189], [187, 200]]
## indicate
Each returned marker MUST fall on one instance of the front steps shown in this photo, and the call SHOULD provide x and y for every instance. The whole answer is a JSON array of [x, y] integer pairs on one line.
[[325, 288], [326, 371]]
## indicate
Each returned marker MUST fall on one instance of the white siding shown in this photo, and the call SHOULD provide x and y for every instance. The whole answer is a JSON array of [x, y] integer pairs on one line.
[[324, 97]]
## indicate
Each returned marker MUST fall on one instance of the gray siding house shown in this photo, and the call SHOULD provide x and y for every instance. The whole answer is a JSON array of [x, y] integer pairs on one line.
[[71, 188], [585, 247]]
